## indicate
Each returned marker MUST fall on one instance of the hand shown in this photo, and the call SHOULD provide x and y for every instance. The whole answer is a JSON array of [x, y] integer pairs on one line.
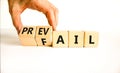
[[16, 7]]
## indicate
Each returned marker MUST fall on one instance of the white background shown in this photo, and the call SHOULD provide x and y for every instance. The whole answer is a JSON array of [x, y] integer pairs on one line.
[[88, 15]]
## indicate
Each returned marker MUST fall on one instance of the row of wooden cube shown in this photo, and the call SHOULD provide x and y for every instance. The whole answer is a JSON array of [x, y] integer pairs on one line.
[[44, 36]]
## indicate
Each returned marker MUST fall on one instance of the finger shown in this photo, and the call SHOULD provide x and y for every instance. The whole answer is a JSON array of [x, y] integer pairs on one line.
[[47, 9], [56, 16], [15, 12], [55, 13], [51, 18], [16, 20]]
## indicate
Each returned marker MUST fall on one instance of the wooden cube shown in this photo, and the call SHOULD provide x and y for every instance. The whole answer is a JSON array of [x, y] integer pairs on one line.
[[60, 39], [44, 35], [27, 36], [91, 39], [76, 39]]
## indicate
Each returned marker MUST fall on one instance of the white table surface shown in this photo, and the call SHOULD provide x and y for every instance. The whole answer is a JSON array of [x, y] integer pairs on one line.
[[98, 15], [35, 59]]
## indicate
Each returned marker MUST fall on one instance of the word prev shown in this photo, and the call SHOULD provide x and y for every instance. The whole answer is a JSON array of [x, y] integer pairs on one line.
[[44, 36]]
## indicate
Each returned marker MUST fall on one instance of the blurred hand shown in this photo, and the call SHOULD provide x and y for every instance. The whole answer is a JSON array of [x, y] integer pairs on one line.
[[16, 7]]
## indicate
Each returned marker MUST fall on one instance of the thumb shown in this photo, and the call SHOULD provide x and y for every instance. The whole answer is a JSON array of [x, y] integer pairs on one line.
[[17, 22]]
